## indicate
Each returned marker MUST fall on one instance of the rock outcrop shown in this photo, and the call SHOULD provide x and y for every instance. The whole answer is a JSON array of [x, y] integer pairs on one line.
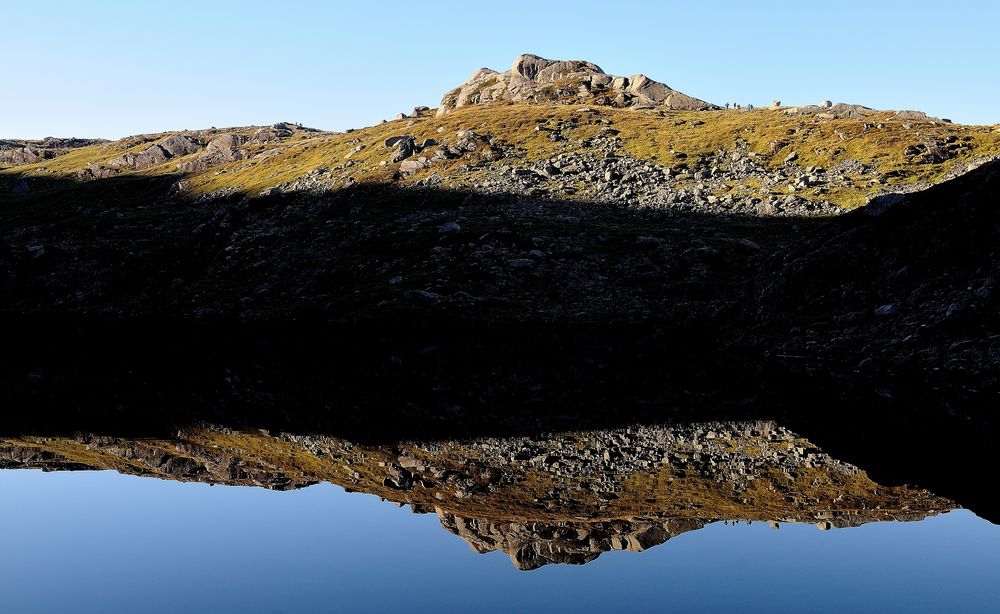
[[828, 110], [224, 148], [537, 80], [192, 152], [20, 153]]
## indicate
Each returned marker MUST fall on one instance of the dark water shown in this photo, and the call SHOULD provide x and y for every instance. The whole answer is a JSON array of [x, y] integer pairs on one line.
[[747, 517]]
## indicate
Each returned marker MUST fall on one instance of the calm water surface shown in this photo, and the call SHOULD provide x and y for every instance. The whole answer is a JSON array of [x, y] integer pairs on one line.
[[99, 541]]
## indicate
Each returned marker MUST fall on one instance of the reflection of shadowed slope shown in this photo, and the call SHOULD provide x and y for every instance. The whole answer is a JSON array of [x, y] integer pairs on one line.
[[555, 499]]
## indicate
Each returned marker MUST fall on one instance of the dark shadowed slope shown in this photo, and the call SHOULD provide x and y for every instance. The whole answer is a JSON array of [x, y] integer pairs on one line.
[[903, 293], [496, 309]]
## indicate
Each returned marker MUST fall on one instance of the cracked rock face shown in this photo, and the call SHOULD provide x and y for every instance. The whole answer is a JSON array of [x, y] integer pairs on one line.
[[533, 79]]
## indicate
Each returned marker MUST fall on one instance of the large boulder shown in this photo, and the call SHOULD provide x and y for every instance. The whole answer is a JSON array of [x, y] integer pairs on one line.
[[179, 145], [405, 147], [540, 70], [19, 157], [641, 84], [153, 155], [227, 147]]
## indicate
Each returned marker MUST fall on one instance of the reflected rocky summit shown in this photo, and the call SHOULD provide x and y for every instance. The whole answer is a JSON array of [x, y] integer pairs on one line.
[[564, 498]]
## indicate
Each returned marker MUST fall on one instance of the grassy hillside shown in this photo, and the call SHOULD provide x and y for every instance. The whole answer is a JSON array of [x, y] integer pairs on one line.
[[878, 153]]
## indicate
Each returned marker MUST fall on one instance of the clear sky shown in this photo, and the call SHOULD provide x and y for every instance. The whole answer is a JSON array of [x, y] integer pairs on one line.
[[110, 68]]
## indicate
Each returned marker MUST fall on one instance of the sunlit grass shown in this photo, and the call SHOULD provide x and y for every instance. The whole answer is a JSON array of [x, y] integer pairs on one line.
[[674, 139]]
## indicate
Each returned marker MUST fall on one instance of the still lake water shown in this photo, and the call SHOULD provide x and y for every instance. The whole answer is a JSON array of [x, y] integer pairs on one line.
[[99, 541]]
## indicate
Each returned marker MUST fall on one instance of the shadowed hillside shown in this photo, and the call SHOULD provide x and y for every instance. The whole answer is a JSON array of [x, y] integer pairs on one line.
[[471, 309]]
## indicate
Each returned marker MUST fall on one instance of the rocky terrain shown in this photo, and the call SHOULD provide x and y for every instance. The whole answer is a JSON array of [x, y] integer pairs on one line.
[[552, 129], [522, 259], [532, 79], [19, 153], [909, 289], [563, 498], [722, 162]]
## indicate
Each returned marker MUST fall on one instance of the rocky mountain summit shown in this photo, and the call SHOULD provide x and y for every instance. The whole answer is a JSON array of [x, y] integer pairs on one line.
[[536, 80]]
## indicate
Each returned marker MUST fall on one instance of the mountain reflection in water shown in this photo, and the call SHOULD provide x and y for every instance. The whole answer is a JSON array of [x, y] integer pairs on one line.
[[562, 498]]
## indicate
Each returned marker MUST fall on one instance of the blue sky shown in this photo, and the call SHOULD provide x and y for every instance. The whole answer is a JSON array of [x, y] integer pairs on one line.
[[113, 68]]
